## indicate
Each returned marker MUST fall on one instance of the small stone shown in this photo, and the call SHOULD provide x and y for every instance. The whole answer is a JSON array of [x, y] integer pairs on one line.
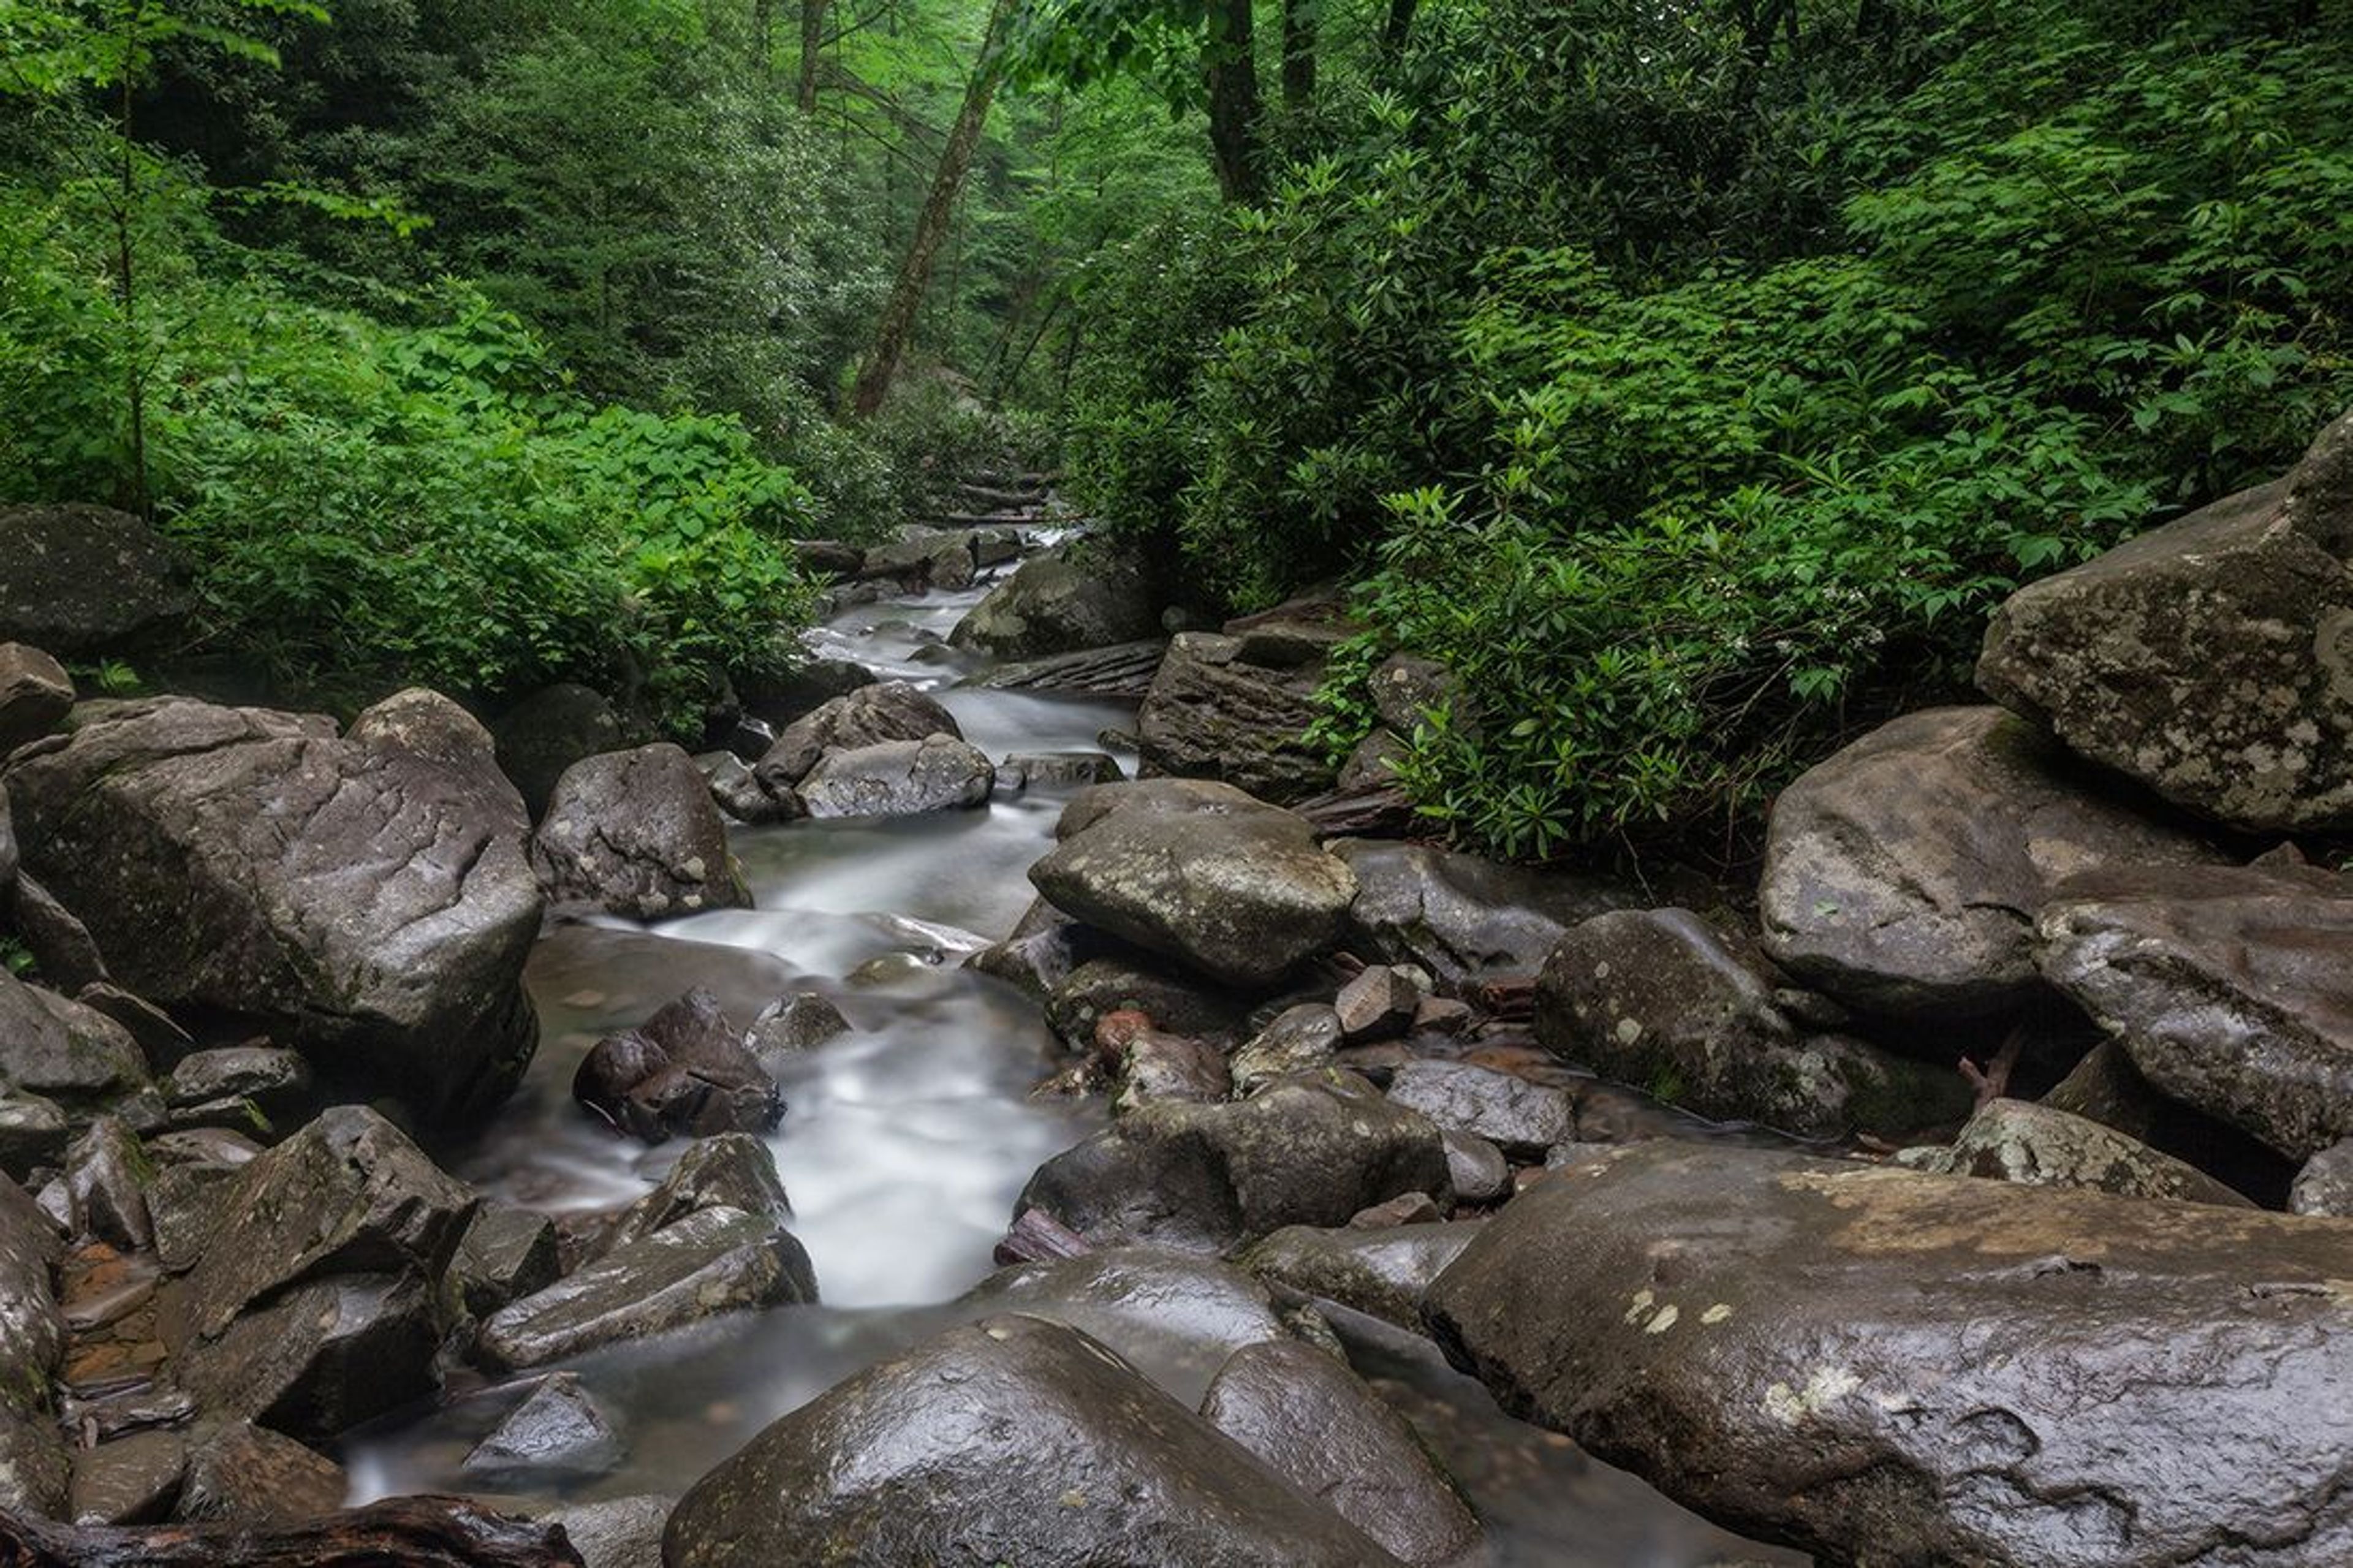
[[1377, 1003], [1300, 1039], [1406, 1208], [1516, 1115], [1481, 1174], [560, 1431], [105, 1185], [1442, 1016]]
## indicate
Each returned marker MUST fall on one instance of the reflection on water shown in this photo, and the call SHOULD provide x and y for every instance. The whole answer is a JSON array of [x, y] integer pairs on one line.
[[904, 1147]]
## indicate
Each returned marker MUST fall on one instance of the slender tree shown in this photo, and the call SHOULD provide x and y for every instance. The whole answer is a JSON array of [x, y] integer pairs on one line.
[[812, 51], [1301, 22], [1230, 61]]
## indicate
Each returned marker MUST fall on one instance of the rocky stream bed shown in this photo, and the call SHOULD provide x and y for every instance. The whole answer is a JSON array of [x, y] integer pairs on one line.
[[1011, 1102]]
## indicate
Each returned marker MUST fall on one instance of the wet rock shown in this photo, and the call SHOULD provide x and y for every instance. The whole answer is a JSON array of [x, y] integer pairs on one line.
[[714, 1261], [737, 791], [364, 900], [194, 1168], [61, 945], [106, 1176], [1233, 887], [1212, 714], [163, 1041], [808, 686], [276, 1083], [619, 1533], [321, 1357], [637, 834], [1377, 1003], [35, 1466], [11, 857], [249, 1474], [1904, 875], [62, 1050], [685, 1072], [2206, 659], [132, 1480], [791, 1024], [1300, 1039], [507, 1253], [1516, 1115], [545, 734], [1406, 1208], [2105, 1087], [36, 695], [2231, 988], [887, 710], [1058, 770], [899, 778], [1102, 986], [559, 1432], [1382, 1273], [2018, 1140], [1077, 1460], [2086, 1379], [1314, 1423], [1480, 1173], [1062, 600], [415, 1532], [1156, 1066], [1307, 1151], [2325, 1185], [732, 1171], [1657, 999], [32, 1330], [34, 1133], [934, 558], [79, 580], [1459, 917]]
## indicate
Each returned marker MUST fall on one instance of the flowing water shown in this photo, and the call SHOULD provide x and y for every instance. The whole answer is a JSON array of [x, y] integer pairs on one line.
[[906, 1143]]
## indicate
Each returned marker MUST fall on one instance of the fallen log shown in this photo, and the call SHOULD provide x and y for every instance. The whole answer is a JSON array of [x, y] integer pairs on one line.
[[414, 1531]]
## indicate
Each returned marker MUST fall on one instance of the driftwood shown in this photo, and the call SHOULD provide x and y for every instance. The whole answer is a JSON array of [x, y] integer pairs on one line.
[[409, 1531], [1038, 1237]]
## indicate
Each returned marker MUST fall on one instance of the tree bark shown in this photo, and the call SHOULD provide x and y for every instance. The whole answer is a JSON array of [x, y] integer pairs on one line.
[[906, 301], [1300, 26], [415, 1532], [1232, 65], [1395, 31], [812, 50]]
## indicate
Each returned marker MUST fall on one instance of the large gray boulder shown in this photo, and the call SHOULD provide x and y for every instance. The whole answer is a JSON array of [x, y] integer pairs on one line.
[[1204, 874], [88, 579], [1461, 917], [1061, 601], [1216, 712], [1904, 875], [1314, 1150], [1657, 999], [1894, 1368], [899, 778], [2211, 658], [1016, 1440], [36, 695], [886, 710], [636, 833], [366, 901], [2231, 988], [56, 1048]]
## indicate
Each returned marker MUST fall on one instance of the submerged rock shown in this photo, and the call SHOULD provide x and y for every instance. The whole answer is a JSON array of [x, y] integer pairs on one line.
[[2208, 658], [637, 834], [1884, 1366], [1904, 875], [364, 900], [1016, 1440]]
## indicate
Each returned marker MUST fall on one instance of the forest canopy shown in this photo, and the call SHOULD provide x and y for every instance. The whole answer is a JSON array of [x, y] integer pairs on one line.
[[1691, 378]]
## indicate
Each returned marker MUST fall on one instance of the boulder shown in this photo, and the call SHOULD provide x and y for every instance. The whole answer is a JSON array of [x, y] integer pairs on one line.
[[1013, 1441], [548, 731], [1660, 1000], [2231, 988], [226, 1085], [1212, 714], [1480, 1173], [1156, 1066], [32, 1330], [1904, 875], [1308, 1151], [61, 945], [1381, 1273], [685, 1072], [1880, 1365], [1060, 601], [886, 710], [2105, 1087], [1315, 1424], [364, 900], [1460, 918], [931, 557], [713, 1262], [738, 792], [618, 1532], [2018, 1140], [1236, 889], [1298, 1039], [899, 778], [106, 1186], [559, 1432], [34, 1133], [59, 1049], [636, 833], [321, 1357], [36, 695], [35, 1466], [131, 1480], [245, 1473], [79, 580], [2211, 658], [1098, 987], [505, 1254], [733, 1170], [1519, 1117], [2325, 1185]]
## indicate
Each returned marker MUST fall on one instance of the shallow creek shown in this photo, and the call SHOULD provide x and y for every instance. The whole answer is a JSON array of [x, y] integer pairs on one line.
[[905, 1144]]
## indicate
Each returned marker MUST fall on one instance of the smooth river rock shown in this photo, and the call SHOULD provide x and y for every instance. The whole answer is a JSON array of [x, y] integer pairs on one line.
[[899, 778], [1910, 1370], [1462, 918], [637, 834], [886, 710]]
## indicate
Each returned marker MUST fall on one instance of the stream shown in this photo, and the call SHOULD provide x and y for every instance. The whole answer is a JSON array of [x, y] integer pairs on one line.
[[905, 1144]]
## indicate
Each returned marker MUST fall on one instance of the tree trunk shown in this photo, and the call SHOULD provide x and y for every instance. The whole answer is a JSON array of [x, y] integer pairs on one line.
[[932, 225], [1300, 22], [415, 1532], [812, 50], [1231, 62], [1395, 31]]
